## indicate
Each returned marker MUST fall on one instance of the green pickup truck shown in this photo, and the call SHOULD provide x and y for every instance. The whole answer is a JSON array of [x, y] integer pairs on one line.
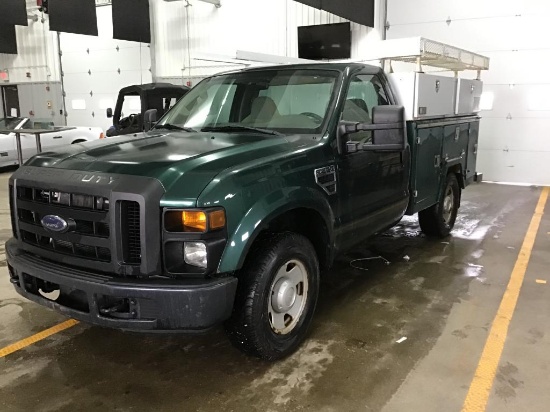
[[230, 208]]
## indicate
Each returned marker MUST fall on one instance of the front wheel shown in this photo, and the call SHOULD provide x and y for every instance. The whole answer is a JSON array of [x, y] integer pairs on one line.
[[439, 219], [276, 297]]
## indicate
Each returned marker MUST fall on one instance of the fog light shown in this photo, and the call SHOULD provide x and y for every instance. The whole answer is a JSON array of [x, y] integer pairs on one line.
[[195, 254]]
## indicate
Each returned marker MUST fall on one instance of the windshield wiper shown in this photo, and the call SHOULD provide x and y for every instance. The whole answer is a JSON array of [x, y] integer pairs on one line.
[[238, 128], [169, 126]]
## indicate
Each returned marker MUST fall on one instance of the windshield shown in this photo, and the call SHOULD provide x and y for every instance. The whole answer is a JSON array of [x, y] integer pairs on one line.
[[9, 123], [283, 101]]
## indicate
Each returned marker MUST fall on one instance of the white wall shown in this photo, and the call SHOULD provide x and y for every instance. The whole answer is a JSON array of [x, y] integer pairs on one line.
[[91, 71], [515, 135], [262, 26], [181, 35], [37, 52]]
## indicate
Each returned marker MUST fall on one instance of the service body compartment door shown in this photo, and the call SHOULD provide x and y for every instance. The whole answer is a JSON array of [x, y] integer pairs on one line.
[[468, 96], [426, 174], [455, 144], [435, 95]]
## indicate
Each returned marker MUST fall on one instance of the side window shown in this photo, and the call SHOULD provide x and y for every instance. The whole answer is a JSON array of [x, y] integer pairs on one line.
[[365, 92], [168, 103], [131, 105]]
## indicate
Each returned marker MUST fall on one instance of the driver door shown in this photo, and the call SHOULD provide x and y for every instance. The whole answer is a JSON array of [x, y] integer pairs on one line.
[[371, 183]]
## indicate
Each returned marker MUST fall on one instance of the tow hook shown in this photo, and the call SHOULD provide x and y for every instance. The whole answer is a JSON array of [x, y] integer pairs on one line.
[[121, 309]]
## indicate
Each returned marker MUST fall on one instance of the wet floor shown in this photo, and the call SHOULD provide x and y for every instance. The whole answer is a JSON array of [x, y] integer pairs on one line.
[[436, 298]]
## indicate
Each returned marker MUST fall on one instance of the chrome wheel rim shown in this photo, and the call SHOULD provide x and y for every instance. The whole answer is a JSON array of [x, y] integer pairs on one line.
[[448, 204], [288, 297]]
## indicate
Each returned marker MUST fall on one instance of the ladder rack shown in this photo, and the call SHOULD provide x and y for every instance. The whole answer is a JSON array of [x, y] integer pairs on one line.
[[425, 52]]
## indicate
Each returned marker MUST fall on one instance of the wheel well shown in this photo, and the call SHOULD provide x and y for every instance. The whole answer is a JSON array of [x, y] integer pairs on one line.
[[308, 223], [79, 141], [457, 170]]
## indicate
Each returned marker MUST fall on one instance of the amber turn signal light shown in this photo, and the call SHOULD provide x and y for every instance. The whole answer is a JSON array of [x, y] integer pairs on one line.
[[216, 219]]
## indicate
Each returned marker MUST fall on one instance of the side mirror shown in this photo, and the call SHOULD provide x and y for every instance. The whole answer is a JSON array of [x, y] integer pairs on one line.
[[388, 130], [149, 119], [109, 112]]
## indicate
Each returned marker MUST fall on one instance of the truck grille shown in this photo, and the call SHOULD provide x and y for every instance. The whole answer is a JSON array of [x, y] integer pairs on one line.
[[89, 238], [67, 248], [131, 232], [12, 214]]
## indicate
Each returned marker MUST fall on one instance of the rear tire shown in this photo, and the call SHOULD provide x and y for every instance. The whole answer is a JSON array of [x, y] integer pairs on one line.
[[276, 297], [79, 141], [439, 219]]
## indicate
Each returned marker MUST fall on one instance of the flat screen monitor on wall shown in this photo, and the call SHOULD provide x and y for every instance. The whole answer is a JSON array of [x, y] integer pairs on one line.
[[73, 16], [325, 41]]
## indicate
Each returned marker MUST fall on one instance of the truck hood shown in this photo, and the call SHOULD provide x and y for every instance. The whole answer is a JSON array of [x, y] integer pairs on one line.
[[194, 158]]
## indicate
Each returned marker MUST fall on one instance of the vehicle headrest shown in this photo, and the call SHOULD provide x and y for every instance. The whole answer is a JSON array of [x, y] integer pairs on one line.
[[263, 108]]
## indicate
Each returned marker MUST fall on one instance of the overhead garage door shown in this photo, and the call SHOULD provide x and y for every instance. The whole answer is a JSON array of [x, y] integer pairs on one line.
[[514, 143], [96, 68]]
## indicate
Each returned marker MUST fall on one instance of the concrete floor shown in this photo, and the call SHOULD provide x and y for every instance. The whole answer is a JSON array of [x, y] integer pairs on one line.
[[441, 295]]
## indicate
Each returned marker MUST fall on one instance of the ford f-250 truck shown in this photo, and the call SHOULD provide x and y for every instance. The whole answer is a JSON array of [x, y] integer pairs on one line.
[[228, 210]]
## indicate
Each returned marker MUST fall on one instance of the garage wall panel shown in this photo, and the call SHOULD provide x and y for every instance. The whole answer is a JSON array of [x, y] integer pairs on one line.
[[425, 11], [520, 102], [183, 35], [37, 52], [514, 137], [522, 134], [508, 164], [517, 67]]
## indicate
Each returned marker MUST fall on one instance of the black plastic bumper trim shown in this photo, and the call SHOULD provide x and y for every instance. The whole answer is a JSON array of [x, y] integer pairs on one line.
[[157, 304]]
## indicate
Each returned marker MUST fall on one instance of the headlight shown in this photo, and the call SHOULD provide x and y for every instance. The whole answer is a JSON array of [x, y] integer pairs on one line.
[[197, 221], [195, 254]]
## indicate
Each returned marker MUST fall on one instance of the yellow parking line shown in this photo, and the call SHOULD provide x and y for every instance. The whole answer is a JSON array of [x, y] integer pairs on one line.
[[14, 347], [481, 385], [541, 281]]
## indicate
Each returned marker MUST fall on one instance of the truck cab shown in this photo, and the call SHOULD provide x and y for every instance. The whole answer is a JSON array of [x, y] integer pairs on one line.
[[232, 206]]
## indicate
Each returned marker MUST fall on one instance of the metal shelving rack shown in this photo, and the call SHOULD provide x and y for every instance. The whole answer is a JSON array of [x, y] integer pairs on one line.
[[425, 52]]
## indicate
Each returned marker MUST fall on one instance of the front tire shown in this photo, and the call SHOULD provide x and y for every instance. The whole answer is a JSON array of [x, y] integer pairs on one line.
[[439, 219], [276, 297]]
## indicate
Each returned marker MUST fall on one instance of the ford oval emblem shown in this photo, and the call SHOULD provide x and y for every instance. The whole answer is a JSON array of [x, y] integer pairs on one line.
[[54, 223]]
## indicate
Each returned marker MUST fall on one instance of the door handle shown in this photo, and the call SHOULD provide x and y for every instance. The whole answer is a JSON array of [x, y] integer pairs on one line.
[[58, 137]]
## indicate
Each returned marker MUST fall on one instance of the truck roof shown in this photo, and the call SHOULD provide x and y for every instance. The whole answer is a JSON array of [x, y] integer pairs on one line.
[[341, 67], [138, 88]]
